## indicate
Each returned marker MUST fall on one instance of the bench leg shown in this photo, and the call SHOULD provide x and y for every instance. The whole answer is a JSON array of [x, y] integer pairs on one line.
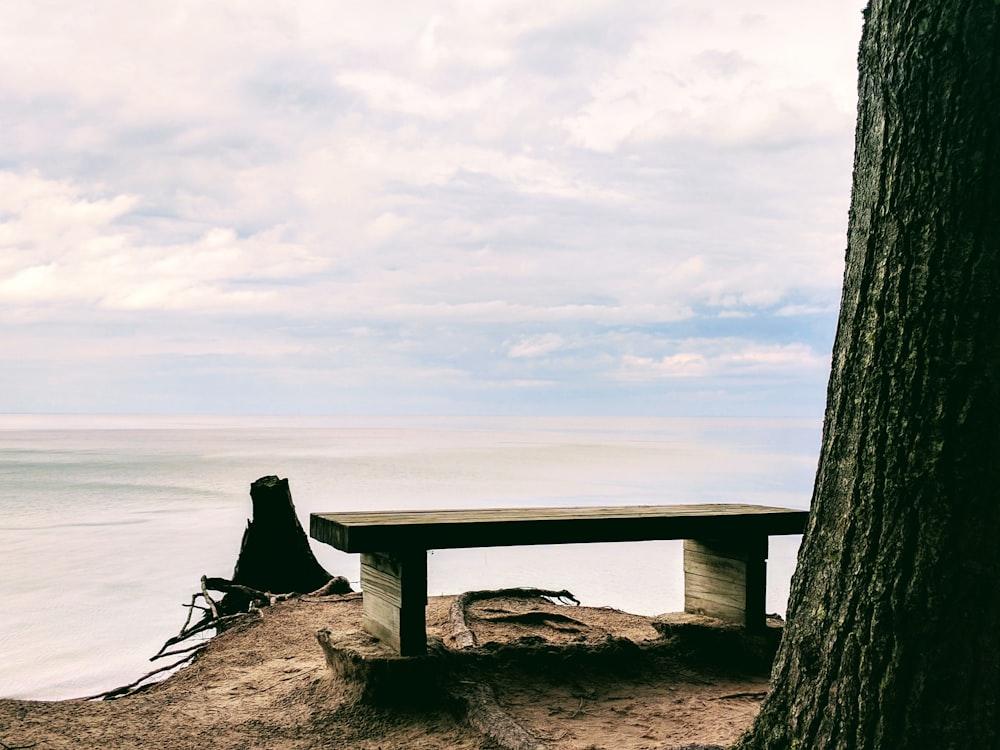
[[726, 578], [394, 594]]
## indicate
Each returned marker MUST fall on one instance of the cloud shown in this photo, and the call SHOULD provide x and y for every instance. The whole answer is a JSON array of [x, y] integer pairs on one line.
[[61, 247], [726, 358], [740, 90], [675, 365], [492, 193], [536, 346], [399, 94]]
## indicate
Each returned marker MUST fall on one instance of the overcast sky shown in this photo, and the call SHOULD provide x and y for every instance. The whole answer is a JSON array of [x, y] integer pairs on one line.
[[423, 207]]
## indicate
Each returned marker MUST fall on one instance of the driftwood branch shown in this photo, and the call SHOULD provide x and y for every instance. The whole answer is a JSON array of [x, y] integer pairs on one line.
[[464, 637]]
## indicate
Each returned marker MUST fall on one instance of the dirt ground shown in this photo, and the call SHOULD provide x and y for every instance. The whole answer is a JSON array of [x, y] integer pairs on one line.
[[564, 677]]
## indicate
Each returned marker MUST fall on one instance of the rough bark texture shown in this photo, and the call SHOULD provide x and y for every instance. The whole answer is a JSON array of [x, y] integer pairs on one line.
[[274, 556], [893, 617]]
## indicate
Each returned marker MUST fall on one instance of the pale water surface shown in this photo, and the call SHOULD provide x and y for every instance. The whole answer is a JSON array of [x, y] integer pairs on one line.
[[108, 523]]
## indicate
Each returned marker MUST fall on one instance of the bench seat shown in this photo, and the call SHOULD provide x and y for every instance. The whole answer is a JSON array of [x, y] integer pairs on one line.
[[725, 552]]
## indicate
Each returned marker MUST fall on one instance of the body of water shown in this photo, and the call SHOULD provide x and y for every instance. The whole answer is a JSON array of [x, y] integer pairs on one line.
[[108, 523]]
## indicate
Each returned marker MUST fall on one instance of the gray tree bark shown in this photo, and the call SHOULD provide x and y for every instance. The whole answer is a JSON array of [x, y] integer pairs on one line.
[[893, 635]]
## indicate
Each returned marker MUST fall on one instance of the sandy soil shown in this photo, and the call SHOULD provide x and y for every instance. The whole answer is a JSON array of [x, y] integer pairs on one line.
[[266, 684]]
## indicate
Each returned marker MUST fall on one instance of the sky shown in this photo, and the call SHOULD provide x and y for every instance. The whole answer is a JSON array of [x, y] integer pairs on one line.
[[506, 207]]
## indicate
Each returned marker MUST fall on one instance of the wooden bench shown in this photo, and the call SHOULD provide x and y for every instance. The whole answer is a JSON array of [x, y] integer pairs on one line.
[[725, 552]]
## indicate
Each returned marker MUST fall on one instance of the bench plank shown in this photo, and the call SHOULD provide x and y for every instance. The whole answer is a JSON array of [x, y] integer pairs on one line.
[[373, 531]]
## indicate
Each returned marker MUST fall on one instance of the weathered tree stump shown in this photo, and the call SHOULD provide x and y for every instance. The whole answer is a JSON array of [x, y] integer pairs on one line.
[[274, 555]]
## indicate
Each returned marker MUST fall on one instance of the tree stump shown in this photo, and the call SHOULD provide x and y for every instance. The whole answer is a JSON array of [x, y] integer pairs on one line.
[[274, 555]]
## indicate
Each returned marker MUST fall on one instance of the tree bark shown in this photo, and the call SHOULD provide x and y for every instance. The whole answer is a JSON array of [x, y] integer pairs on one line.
[[275, 555], [891, 639]]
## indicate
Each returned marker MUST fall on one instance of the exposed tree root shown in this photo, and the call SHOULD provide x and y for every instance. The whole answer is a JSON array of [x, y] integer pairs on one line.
[[759, 696], [214, 618], [481, 708], [274, 554], [464, 637], [484, 713], [336, 586], [5, 746], [552, 619], [136, 685]]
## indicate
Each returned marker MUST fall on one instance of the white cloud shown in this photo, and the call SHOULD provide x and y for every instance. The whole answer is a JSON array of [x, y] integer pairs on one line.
[[536, 346], [399, 94], [726, 358], [60, 246], [754, 78], [683, 365], [516, 185]]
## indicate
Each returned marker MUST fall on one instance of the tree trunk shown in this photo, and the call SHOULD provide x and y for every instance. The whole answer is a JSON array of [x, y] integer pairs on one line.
[[275, 555], [891, 639]]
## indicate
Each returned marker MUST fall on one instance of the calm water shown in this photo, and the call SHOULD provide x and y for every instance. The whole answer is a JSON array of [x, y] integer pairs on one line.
[[108, 523]]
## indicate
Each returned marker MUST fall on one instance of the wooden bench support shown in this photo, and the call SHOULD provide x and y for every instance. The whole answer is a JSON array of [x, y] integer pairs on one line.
[[394, 590], [726, 578]]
